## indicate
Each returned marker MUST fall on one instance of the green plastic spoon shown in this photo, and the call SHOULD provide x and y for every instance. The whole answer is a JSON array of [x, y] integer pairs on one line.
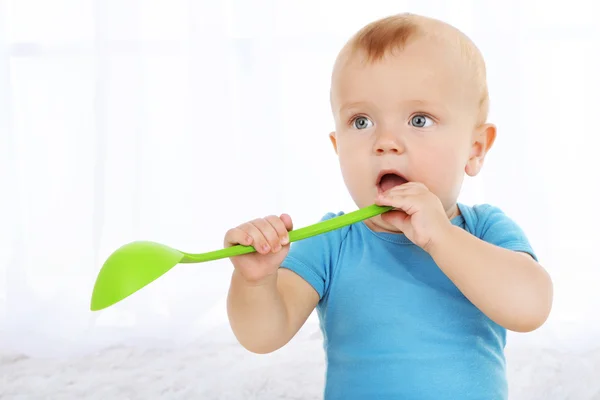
[[136, 264]]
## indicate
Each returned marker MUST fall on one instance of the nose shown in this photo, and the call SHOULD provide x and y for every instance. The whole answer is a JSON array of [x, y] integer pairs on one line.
[[388, 143]]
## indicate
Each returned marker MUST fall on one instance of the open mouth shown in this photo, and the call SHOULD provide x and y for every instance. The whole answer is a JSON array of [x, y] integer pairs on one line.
[[389, 179]]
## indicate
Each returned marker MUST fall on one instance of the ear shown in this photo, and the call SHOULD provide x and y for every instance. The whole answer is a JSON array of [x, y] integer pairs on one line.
[[333, 141], [483, 139]]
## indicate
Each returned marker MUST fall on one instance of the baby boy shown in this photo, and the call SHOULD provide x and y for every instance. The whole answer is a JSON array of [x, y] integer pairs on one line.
[[414, 303]]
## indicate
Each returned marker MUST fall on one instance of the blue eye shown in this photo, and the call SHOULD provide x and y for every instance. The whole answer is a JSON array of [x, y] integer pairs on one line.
[[421, 121], [362, 123]]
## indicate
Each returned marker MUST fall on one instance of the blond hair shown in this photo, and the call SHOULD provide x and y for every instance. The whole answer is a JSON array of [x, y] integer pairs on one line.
[[386, 35]]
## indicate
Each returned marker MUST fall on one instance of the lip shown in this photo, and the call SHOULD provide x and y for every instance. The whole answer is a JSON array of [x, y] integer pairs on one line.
[[385, 172]]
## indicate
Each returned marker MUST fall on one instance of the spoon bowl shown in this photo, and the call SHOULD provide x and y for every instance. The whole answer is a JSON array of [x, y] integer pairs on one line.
[[137, 264]]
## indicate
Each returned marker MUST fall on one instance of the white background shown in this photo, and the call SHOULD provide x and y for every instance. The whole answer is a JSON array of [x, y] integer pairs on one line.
[[173, 121]]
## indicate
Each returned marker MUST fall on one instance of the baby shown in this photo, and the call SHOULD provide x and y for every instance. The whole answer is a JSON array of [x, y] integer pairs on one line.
[[414, 303]]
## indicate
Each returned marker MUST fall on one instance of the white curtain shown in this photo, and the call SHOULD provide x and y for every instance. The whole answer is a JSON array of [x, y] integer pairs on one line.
[[174, 120]]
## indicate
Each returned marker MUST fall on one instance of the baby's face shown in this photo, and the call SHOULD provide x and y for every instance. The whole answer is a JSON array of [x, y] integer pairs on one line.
[[414, 113]]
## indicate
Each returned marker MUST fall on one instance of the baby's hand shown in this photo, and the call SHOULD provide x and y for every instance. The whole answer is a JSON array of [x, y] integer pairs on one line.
[[420, 215], [269, 236]]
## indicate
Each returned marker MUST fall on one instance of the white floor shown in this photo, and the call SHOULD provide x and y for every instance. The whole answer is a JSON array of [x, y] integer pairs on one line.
[[221, 369]]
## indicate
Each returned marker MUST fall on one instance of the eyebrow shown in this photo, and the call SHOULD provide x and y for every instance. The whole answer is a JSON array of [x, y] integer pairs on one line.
[[345, 107], [437, 107]]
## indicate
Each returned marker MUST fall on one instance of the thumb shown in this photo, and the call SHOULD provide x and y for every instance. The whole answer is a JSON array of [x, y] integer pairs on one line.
[[287, 221], [398, 218]]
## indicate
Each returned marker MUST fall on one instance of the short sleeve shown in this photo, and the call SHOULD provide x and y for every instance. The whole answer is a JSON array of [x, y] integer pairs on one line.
[[314, 258], [497, 228]]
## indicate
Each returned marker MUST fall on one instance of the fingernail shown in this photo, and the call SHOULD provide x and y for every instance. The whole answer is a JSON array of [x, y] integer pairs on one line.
[[285, 240], [266, 247]]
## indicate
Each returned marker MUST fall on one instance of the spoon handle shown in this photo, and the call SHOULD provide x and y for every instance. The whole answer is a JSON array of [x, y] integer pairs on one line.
[[295, 235]]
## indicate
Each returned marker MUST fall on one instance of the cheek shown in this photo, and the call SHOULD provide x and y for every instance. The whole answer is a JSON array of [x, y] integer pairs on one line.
[[442, 168], [352, 163], [348, 152]]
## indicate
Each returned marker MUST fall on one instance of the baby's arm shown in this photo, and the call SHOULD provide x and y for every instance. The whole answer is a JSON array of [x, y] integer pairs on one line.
[[510, 287], [493, 272], [265, 317], [272, 293]]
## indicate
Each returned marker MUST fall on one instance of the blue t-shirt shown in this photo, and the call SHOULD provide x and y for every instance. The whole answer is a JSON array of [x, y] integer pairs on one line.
[[394, 325]]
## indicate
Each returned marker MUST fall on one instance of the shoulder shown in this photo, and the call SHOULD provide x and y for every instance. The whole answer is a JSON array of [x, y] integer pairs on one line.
[[491, 224], [479, 218], [324, 241], [340, 233], [315, 257]]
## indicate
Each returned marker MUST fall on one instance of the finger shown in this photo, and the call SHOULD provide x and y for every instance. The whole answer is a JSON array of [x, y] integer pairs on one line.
[[399, 200], [397, 218], [403, 190], [259, 241], [280, 228], [412, 187], [237, 236], [392, 195], [413, 184], [269, 233]]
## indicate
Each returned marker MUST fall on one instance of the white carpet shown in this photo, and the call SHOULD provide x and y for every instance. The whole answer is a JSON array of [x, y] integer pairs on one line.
[[221, 369]]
